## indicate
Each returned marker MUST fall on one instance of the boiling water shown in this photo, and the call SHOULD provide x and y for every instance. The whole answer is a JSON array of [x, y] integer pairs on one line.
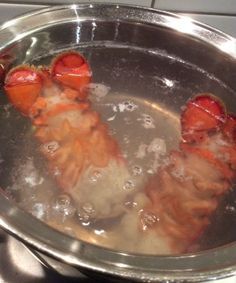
[[133, 98]]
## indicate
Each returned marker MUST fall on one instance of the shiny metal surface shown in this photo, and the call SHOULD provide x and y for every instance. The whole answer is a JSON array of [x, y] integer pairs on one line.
[[18, 264], [199, 51], [21, 265]]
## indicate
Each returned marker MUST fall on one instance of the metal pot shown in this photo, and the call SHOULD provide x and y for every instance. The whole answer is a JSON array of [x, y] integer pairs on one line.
[[176, 57]]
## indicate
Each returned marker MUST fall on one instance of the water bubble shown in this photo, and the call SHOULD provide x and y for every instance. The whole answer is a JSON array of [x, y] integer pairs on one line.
[[126, 139], [88, 208], [33, 180], [56, 171], [137, 170], [157, 145], [63, 200], [26, 175], [180, 174], [112, 132], [131, 204], [51, 147], [114, 107], [147, 121], [84, 217], [99, 232], [85, 213], [39, 210], [150, 171], [98, 90], [64, 205], [130, 106], [129, 184], [230, 208], [148, 219], [168, 83], [95, 176]]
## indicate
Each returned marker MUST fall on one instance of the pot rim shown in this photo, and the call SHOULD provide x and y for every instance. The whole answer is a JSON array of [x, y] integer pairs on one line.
[[215, 263]]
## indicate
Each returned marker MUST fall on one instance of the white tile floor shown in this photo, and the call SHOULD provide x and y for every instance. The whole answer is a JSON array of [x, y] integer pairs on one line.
[[206, 6], [226, 24], [9, 11]]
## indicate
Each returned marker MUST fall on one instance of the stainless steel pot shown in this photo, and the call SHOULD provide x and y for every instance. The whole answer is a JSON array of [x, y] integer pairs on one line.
[[167, 59]]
